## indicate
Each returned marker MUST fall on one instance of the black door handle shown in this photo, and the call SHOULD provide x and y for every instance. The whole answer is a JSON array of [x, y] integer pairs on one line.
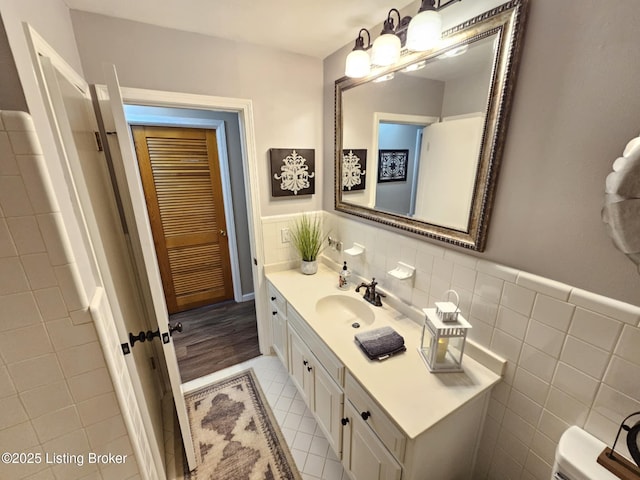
[[344, 421], [151, 335], [175, 328], [141, 337], [365, 415]]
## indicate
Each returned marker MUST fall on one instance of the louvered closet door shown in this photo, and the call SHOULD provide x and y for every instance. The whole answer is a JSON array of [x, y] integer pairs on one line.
[[181, 179]]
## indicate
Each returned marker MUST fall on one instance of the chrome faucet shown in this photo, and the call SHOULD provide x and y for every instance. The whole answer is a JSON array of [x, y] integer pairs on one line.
[[371, 295]]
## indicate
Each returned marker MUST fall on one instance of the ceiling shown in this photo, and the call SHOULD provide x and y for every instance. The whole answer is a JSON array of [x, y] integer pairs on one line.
[[311, 27]]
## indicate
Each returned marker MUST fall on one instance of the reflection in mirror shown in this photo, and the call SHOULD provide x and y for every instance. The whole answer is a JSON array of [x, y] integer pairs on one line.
[[442, 134], [430, 131]]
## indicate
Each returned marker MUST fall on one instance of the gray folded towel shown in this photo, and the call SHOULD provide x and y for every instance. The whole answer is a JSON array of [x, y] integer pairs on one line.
[[380, 343]]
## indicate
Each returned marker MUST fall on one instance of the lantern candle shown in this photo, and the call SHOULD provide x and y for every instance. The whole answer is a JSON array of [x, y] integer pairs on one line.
[[443, 344]]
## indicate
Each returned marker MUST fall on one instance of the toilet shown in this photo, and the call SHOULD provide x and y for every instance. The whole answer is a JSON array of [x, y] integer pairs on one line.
[[576, 457]]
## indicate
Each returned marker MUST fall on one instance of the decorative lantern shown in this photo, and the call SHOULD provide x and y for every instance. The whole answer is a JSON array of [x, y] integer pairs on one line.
[[447, 311], [442, 343]]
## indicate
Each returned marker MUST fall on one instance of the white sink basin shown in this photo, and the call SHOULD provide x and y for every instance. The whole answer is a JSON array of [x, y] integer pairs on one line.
[[345, 310]]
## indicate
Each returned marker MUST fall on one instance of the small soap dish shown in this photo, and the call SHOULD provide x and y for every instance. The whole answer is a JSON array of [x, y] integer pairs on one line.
[[403, 271], [356, 250]]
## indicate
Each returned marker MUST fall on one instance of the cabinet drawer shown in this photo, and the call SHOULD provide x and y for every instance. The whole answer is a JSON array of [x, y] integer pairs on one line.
[[329, 361], [276, 301], [377, 419]]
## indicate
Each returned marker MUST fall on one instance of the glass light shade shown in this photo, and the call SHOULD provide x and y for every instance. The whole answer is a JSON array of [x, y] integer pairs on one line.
[[425, 31], [386, 50], [357, 64]]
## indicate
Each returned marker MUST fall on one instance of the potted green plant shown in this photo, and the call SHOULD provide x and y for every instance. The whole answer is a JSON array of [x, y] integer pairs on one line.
[[307, 237]]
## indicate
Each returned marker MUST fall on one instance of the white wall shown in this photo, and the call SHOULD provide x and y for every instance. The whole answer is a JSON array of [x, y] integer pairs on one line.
[[572, 356], [68, 319], [56, 394], [466, 94], [575, 108], [286, 89]]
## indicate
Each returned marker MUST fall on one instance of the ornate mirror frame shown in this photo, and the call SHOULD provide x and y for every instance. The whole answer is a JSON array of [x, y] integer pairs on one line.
[[507, 22]]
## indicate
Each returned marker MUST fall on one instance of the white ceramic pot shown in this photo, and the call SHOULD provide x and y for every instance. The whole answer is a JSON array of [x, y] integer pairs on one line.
[[309, 268]]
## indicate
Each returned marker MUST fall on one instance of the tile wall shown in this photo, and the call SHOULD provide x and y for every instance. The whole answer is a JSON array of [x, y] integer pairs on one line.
[[56, 395], [573, 356]]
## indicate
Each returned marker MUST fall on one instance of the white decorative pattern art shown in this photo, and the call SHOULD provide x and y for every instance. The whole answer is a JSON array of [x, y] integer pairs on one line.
[[292, 172], [392, 165], [354, 164]]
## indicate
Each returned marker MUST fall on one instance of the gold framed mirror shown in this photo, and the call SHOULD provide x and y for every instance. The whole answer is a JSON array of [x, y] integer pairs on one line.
[[418, 145]]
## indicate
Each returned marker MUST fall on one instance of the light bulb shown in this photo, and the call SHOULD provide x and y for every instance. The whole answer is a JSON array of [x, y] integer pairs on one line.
[[357, 64], [425, 31], [386, 50]]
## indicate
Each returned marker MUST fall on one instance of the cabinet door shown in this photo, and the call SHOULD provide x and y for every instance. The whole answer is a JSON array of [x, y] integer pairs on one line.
[[365, 456], [300, 367], [279, 332], [328, 399]]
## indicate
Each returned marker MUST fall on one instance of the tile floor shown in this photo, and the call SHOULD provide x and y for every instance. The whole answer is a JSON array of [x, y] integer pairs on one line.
[[308, 445]]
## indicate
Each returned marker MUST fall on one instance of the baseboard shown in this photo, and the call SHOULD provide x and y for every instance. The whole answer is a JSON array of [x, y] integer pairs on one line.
[[248, 297]]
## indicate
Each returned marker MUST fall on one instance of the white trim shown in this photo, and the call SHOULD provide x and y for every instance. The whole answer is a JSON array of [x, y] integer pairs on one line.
[[463, 116], [244, 108], [404, 118], [248, 297], [399, 118], [223, 160], [227, 200]]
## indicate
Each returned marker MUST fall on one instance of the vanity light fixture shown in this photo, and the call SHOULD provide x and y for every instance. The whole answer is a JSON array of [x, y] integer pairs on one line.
[[358, 64], [386, 48], [419, 33], [425, 29]]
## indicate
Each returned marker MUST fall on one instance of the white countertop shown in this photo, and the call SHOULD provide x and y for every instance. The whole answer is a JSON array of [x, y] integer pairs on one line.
[[403, 386]]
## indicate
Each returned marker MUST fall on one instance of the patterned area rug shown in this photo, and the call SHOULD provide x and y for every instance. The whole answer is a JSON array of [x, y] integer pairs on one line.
[[235, 434]]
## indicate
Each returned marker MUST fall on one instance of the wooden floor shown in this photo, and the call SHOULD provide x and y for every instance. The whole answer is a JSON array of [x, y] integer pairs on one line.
[[215, 337]]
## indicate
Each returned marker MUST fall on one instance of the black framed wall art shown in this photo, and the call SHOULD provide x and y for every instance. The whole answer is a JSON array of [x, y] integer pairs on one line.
[[292, 171], [392, 165], [354, 169]]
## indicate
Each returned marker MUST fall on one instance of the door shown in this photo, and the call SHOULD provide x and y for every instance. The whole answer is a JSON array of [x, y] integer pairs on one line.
[[301, 369], [73, 123], [134, 207], [364, 456], [328, 406], [180, 174]]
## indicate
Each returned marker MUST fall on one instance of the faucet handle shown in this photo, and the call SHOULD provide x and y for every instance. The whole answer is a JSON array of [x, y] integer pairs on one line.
[[376, 301]]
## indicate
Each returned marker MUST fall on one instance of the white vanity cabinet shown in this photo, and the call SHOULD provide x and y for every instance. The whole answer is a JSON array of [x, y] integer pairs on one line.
[[321, 393], [389, 420], [301, 367], [363, 455], [278, 314]]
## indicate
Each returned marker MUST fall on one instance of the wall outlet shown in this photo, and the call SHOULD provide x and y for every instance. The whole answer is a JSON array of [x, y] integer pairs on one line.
[[285, 235]]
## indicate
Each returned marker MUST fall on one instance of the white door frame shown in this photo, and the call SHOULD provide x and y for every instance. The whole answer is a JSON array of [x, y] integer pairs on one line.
[[223, 160], [379, 117], [144, 252], [244, 109]]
